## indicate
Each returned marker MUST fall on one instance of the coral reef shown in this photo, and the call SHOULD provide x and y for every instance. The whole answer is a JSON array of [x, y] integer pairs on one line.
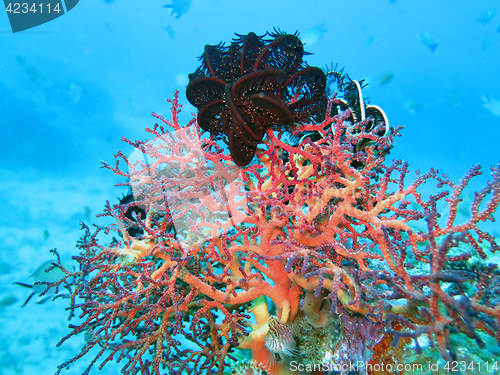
[[319, 233]]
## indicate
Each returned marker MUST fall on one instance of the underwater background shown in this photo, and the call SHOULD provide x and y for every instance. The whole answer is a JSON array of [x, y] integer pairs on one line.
[[70, 90]]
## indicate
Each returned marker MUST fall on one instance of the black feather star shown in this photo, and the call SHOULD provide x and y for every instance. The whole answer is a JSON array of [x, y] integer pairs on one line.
[[255, 83]]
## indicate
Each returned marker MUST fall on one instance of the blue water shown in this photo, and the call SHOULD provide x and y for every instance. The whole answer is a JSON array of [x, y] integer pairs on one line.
[[71, 88], [124, 59]]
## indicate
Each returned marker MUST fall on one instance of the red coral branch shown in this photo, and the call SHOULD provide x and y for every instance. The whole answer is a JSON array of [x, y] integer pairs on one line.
[[318, 221]]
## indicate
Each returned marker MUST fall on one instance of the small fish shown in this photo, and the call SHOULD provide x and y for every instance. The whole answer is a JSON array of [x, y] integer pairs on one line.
[[464, 207], [487, 15], [427, 40], [385, 79], [5, 268], [75, 92], [491, 104], [314, 34], [170, 31], [413, 106], [36, 76], [279, 339], [40, 275], [7, 301], [179, 7], [455, 98], [87, 213], [498, 29], [45, 235], [20, 60]]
